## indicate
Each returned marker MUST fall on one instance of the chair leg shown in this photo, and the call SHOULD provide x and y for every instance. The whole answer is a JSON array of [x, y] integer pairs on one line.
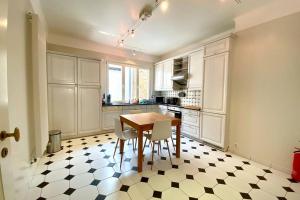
[[169, 151], [173, 142], [152, 154], [160, 147], [144, 144], [116, 147], [157, 147], [121, 160], [133, 144]]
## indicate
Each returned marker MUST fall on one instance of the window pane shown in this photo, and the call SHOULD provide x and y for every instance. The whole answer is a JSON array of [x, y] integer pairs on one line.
[[144, 83], [115, 82], [130, 83]]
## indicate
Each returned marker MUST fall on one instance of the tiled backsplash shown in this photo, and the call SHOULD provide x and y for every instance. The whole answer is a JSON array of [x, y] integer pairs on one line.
[[193, 98]]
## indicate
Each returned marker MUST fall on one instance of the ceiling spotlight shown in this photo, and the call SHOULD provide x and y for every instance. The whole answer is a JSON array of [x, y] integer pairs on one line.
[[121, 43], [164, 5], [132, 33], [133, 52]]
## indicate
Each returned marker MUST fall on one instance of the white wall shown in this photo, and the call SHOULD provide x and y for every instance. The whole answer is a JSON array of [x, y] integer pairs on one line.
[[265, 92]]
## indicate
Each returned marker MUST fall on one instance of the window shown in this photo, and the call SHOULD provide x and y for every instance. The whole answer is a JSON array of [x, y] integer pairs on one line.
[[126, 83], [115, 82], [144, 83]]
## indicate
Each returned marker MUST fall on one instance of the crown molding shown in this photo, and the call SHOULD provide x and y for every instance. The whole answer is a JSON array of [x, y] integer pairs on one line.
[[275, 9]]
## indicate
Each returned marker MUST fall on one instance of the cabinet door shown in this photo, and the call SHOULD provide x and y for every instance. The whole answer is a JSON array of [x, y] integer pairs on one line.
[[213, 129], [89, 110], [215, 83], [108, 117], [159, 74], [168, 73], [217, 47], [62, 103], [190, 130], [196, 71], [88, 72], [61, 69]]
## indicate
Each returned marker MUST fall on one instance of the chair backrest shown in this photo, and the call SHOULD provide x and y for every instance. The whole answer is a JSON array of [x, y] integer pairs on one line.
[[161, 130], [118, 128]]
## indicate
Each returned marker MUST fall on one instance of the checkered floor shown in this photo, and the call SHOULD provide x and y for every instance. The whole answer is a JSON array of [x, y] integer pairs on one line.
[[85, 170]]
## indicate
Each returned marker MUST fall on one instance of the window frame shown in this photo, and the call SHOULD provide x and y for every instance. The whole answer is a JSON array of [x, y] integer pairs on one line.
[[123, 66]]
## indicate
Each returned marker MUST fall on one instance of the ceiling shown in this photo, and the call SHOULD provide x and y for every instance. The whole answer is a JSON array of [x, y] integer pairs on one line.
[[184, 22]]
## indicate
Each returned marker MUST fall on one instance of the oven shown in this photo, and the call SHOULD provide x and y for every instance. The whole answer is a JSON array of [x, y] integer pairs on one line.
[[174, 112]]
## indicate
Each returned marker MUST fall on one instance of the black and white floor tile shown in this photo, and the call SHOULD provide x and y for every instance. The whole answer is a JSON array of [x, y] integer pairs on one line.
[[86, 170]]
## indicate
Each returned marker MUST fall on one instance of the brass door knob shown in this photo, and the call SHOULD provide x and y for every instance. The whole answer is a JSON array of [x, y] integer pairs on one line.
[[15, 134]]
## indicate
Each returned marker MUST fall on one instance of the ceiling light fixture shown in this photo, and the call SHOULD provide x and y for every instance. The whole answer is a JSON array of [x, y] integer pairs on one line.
[[164, 6], [132, 33]]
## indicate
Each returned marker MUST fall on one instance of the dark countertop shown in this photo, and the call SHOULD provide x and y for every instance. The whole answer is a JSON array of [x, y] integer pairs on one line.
[[130, 104], [146, 104]]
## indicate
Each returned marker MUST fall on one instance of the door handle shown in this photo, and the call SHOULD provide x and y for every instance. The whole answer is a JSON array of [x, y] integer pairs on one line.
[[15, 134]]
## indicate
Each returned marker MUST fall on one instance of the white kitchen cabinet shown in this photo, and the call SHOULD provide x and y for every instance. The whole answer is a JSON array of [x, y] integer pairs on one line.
[[62, 105], [195, 81], [108, 115], [191, 123], [88, 72], [61, 69], [217, 47], [213, 129], [159, 74], [167, 75], [215, 83], [89, 110]]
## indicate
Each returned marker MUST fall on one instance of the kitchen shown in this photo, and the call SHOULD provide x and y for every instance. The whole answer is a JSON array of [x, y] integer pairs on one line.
[[151, 99]]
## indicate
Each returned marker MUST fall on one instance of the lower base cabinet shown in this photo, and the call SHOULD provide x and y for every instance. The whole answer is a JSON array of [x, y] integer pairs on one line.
[[213, 128]]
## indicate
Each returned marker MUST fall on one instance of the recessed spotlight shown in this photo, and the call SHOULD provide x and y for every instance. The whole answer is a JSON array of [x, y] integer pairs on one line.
[[164, 5], [121, 43], [133, 52], [132, 33]]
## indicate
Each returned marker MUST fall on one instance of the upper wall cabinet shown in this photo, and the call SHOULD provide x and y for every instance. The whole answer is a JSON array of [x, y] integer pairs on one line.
[[215, 83], [159, 75], [61, 69], [195, 81], [168, 73], [88, 72], [217, 47]]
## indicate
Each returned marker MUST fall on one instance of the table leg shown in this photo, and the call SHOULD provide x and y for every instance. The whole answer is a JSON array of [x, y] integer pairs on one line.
[[140, 150], [178, 141]]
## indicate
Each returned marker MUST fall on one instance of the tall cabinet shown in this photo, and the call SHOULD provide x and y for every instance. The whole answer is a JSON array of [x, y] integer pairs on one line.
[[215, 89], [74, 99]]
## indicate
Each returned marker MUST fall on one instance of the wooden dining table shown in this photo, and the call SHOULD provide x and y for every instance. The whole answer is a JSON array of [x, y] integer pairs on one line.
[[144, 122]]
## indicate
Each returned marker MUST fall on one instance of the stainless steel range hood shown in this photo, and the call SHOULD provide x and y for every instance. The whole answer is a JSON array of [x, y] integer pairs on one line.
[[180, 73], [179, 77]]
